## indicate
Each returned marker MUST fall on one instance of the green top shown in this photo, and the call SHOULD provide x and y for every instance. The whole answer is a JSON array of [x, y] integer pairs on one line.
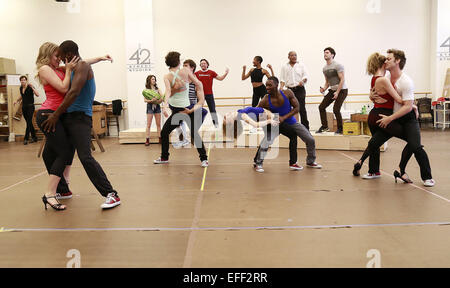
[[179, 99]]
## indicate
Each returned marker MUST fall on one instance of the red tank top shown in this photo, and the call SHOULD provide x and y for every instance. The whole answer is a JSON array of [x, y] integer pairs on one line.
[[54, 97], [390, 101]]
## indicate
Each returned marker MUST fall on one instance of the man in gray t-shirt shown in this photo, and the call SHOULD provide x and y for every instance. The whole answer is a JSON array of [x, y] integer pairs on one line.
[[335, 80]]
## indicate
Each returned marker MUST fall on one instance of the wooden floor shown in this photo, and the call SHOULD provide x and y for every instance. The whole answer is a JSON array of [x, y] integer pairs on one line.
[[280, 218]]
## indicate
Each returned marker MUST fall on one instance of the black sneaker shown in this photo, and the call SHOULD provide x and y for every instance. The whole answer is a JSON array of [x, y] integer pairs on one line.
[[339, 132], [323, 129], [25, 142]]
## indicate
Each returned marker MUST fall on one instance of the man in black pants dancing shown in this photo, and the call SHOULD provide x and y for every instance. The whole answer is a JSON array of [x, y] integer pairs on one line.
[[78, 121], [335, 80]]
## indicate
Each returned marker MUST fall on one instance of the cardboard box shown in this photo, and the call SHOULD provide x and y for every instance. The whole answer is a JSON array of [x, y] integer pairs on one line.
[[7, 66], [332, 123], [352, 128]]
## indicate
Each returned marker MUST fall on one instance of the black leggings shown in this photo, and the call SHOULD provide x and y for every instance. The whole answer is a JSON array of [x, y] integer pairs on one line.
[[194, 121], [258, 93], [28, 113], [374, 116], [58, 151]]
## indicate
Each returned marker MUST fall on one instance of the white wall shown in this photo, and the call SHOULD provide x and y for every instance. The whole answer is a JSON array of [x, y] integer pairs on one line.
[[139, 48], [98, 29], [230, 33]]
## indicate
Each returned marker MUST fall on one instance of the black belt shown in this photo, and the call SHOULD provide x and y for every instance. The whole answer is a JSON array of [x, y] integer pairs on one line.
[[295, 88]]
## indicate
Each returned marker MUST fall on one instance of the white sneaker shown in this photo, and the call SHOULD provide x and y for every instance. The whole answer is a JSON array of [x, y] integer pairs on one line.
[[63, 196], [205, 163], [112, 200], [177, 145], [295, 167], [314, 165], [185, 143], [258, 168], [370, 176], [429, 183], [160, 161]]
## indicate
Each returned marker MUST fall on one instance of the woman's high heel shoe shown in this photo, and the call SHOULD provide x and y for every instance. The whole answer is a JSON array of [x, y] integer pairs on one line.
[[356, 168], [405, 179], [57, 207]]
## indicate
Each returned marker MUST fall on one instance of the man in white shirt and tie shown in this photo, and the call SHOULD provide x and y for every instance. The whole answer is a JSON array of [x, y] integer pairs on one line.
[[294, 77]]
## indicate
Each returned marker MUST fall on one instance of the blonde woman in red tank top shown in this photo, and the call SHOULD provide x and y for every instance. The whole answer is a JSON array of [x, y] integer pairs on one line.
[[382, 106], [58, 152]]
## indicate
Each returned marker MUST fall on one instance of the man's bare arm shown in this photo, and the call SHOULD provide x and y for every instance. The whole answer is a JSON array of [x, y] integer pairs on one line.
[[79, 79]]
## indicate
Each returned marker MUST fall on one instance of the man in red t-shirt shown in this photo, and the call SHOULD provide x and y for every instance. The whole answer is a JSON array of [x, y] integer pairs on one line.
[[206, 77]]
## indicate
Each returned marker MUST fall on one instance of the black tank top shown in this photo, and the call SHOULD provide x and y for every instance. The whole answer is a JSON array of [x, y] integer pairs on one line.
[[257, 75]]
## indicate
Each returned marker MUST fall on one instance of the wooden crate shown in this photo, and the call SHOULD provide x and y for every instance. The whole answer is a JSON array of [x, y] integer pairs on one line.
[[99, 119], [359, 117]]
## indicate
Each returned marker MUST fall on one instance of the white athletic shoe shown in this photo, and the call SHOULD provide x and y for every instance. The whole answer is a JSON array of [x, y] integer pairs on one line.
[[63, 196], [295, 167], [160, 161], [177, 145], [258, 168], [185, 143], [429, 183], [205, 163], [370, 176], [314, 165], [112, 200]]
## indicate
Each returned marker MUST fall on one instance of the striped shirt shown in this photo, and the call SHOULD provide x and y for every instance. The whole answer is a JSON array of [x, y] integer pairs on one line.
[[192, 94]]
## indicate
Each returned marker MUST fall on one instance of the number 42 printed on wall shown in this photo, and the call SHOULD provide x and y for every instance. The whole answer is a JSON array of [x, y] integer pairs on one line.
[[141, 60], [445, 55]]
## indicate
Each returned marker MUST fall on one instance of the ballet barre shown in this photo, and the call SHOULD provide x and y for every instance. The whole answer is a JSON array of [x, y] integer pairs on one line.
[[243, 104]]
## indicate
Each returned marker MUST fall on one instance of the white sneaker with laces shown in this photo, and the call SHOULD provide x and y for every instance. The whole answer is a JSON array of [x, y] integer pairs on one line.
[[258, 168], [160, 161], [112, 200], [295, 167], [205, 163], [429, 183], [370, 176], [314, 165]]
